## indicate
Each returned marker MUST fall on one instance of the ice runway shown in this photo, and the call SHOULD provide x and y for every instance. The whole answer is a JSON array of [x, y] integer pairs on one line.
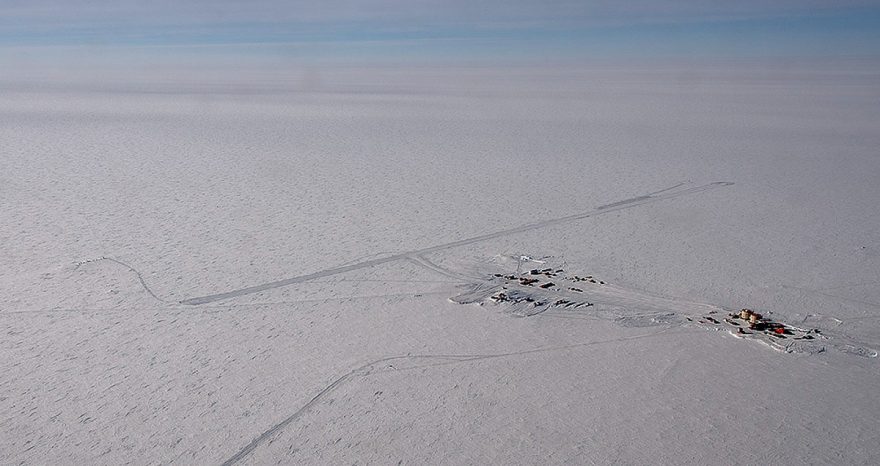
[[669, 193]]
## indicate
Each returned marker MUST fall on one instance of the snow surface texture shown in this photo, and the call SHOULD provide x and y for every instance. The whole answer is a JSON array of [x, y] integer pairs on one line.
[[269, 274]]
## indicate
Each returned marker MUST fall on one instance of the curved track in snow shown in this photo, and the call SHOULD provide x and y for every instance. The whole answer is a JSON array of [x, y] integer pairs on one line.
[[370, 368]]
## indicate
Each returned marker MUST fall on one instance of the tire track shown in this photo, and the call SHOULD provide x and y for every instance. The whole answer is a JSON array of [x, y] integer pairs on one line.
[[368, 369], [130, 269], [665, 194], [219, 307], [423, 262]]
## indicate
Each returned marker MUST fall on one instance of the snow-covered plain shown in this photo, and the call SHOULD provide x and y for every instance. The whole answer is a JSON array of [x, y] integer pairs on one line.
[[138, 216]]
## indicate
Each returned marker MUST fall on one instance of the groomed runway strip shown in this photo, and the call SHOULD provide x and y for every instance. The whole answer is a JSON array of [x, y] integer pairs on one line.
[[664, 194]]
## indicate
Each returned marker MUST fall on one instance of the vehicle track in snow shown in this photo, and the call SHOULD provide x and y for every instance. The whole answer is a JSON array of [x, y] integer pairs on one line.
[[130, 269], [370, 368], [425, 263]]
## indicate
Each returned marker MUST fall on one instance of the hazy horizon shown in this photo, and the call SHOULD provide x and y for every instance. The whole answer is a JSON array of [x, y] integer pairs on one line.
[[51, 36]]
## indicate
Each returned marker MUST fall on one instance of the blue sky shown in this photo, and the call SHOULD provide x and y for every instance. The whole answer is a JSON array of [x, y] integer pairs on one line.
[[435, 30]]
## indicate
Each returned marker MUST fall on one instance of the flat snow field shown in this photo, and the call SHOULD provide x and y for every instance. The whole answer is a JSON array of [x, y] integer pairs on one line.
[[301, 270]]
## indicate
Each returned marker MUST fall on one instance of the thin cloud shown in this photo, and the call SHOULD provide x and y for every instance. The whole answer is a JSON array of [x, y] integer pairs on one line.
[[24, 14]]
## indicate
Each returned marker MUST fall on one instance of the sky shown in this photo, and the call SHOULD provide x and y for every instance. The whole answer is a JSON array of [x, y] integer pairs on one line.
[[67, 32]]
